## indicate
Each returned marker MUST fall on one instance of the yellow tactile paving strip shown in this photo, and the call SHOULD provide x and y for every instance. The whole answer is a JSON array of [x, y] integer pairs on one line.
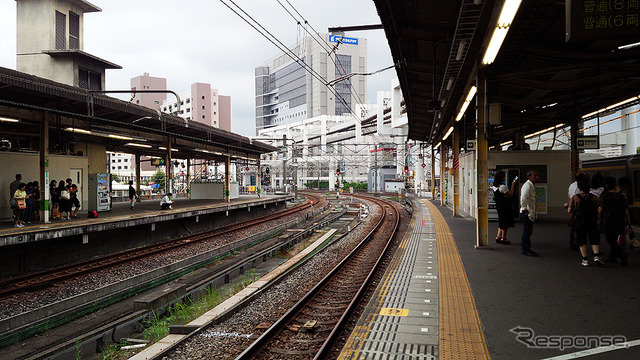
[[461, 335]]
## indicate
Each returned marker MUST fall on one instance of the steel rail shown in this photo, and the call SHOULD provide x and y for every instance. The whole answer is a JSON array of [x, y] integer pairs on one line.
[[47, 278], [257, 346]]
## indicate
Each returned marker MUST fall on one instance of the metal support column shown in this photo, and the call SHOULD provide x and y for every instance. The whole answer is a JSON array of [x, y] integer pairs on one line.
[[169, 167], [259, 179], [482, 155], [137, 159], [227, 188], [44, 166], [188, 178], [443, 174], [433, 173], [456, 172], [575, 162]]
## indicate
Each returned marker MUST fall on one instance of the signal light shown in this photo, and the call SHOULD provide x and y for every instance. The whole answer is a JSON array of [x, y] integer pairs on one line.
[[338, 171], [267, 170], [406, 169]]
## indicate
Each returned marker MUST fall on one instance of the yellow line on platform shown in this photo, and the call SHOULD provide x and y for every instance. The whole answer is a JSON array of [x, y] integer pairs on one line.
[[461, 335]]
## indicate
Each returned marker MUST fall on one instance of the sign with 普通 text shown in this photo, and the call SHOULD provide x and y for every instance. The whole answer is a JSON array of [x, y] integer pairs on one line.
[[342, 39], [602, 19]]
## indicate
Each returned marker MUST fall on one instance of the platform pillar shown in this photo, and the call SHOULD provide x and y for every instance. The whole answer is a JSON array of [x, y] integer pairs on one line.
[[443, 175], [433, 173], [482, 155], [137, 160], [259, 179], [456, 172], [44, 167], [188, 182], [575, 162], [227, 188], [169, 167]]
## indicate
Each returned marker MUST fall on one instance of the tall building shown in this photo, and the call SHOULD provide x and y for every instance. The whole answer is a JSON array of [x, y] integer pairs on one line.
[[286, 92], [202, 104], [50, 43], [146, 82]]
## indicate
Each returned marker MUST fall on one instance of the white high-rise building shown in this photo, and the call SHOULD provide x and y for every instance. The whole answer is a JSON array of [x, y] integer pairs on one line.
[[287, 92]]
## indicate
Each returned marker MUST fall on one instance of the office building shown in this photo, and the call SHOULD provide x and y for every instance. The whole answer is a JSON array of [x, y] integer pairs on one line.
[[287, 92]]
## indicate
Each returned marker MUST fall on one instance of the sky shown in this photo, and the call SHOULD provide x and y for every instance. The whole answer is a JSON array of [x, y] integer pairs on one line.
[[204, 41]]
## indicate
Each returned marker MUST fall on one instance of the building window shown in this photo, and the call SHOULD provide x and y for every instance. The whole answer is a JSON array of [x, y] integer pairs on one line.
[[202, 107], [188, 109], [157, 102], [119, 160], [214, 113], [137, 101], [125, 168], [61, 30], [202, 97], [188, 100], [119, 167], [214, 103], [203, 116], [89, 80], [74, 30]]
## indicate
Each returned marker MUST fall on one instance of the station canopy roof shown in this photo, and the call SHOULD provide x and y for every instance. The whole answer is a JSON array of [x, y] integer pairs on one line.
[[538, 78], [79, 115]]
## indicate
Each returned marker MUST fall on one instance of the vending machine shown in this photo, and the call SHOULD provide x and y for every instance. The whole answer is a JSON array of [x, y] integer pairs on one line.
[[99, 192]]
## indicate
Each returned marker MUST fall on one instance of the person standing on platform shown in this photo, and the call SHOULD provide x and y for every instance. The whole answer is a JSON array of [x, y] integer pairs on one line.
[[14, 185], [35, 193], [54, 193], [528, 211], [597, 184], [132, 195], [65, 201], [614, 217], [73, 193], [502, 195], [20, 196], [573, 190], [26, 219], [585, 205]]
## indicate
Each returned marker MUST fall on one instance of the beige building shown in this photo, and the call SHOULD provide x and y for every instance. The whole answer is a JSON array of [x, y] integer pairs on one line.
[[50, 42]]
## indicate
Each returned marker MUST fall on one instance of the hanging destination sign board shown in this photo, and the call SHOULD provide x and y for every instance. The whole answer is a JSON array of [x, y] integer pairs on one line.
[[602, 19]]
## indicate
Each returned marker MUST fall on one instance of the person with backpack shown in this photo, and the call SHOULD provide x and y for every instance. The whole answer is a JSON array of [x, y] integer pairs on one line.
[[614, 217], [585, 206]]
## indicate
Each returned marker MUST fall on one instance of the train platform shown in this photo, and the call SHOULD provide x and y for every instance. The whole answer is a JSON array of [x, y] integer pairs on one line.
[[442, 298], [121, 216]]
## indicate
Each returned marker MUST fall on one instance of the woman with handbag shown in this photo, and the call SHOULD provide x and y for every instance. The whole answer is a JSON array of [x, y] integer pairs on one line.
[[54, 194], [614, 216], [65, 201], [18, 212]]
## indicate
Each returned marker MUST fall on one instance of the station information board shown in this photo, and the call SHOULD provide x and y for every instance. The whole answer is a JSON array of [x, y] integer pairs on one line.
[[602, 19]]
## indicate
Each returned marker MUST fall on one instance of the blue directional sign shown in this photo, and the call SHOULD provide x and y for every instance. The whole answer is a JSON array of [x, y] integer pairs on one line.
[[344, 40]]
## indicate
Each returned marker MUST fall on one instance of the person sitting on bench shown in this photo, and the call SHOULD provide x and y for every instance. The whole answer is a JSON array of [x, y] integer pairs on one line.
[[166, 202]]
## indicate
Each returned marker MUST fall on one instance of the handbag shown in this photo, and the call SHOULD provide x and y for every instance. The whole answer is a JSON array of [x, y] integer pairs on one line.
[[21, 204], [13, 203], [64, 195]]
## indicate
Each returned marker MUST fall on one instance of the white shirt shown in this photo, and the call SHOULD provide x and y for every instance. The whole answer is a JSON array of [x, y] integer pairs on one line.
[[166, 200], [573, 189], [528, 199]]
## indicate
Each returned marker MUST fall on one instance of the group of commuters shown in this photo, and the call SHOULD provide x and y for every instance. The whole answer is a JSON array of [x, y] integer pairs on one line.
[[64, 199], [25, 201], [601, 206]]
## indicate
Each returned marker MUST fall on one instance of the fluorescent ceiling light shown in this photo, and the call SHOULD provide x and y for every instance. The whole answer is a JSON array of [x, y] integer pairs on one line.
[[628, 46], [447, 134], [508, 12], [164, 148], [120, 137], [138, 145], [611, 106], [494, 45], [78, 130], [437, 145], [467, 101], [506, 143], [8, 119], [543, 131]]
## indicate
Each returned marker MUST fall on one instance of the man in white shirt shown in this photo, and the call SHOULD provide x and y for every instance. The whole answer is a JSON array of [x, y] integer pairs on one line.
[[528, 211], [166, 202], [573, 190]]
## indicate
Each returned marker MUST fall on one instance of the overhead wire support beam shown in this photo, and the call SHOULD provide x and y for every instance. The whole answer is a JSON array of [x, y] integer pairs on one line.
[[141, 91], [355, 28]]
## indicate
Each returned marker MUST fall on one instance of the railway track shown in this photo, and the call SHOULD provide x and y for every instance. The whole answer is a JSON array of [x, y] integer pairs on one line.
[[44, 279], [314, 323]]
